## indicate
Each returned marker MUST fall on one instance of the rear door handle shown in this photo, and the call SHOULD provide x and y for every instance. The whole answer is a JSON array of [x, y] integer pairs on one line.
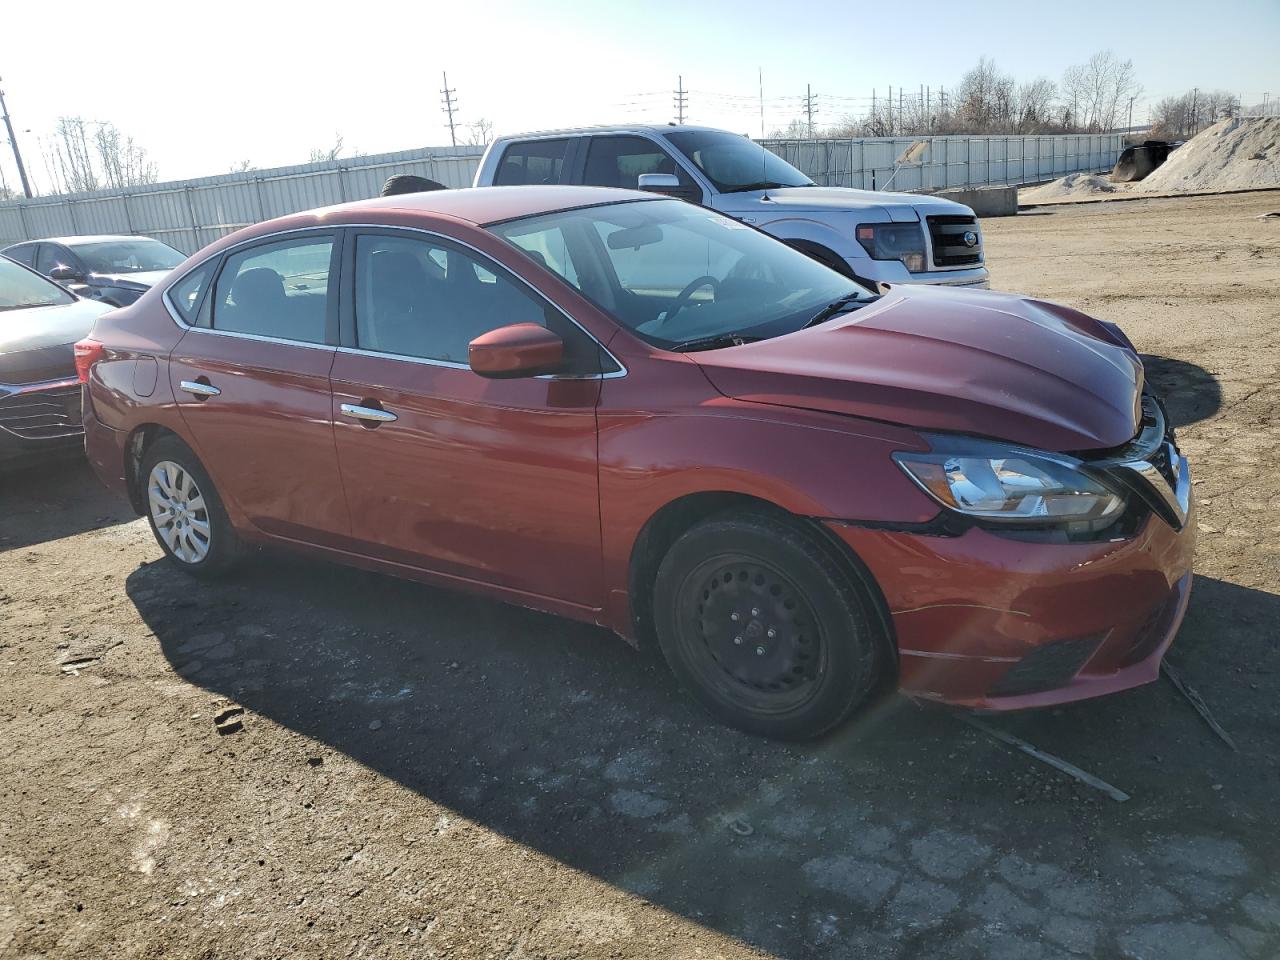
[[369, 414], [198, 389]]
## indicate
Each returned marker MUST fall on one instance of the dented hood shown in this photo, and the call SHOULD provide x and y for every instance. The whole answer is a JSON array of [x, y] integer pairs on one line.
[[966, 361]]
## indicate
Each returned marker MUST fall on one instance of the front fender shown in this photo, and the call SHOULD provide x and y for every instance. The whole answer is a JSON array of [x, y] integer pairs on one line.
[[832, 237], [806, 463]]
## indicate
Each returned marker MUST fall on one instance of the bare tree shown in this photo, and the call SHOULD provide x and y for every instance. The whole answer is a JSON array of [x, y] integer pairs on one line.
[[1187, 114], [73, 155], [795, 130], [1099, 90], [480, 133], [242, 166], [123, 162], [332, 153]]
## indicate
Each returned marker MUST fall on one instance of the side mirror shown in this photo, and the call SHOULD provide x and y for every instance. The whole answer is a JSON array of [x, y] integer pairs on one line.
[[518, 350], [64, 274], [658, 183]]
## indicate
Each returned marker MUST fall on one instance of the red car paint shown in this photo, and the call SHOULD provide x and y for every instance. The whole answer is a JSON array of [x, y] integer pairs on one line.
[[538, 491]]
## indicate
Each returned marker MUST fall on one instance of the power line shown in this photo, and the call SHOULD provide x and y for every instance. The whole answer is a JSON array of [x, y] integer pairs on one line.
[[449, 107]]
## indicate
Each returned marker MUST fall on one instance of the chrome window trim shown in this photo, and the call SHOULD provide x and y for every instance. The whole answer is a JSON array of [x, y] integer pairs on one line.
[[176, 317]]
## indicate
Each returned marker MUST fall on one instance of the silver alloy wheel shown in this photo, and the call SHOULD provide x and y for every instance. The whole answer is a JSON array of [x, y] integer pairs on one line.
[[178, 511]]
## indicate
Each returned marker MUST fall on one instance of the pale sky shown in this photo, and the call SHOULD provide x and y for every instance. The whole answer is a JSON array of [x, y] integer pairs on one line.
[[205, 86]]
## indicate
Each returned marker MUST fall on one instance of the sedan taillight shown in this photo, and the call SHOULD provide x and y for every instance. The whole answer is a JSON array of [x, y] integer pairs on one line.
[[88, 352]]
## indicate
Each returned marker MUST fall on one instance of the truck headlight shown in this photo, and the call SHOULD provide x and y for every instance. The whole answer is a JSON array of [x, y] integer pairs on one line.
[[894, 241], [995, 482]]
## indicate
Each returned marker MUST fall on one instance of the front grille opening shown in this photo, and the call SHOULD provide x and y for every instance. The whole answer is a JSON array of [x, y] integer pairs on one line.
[[1048, 667], [46, 415], [946, 233]]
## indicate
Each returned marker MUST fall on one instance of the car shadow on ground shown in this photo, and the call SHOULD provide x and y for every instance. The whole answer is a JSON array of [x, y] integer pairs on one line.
[[34, 500], [1190, 392], [563, 738]]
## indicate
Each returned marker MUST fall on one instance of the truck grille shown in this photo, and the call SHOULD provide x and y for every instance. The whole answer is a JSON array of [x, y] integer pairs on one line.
[[947, 235], [43, 414]]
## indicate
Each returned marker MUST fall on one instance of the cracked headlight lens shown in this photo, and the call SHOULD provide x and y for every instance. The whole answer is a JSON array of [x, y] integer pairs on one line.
[[1010, 483]]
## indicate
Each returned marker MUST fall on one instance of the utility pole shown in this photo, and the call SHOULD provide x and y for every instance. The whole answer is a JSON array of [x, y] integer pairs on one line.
[[874, 119], [681, 99], [889, 105], [17, 154], [449, 108], [1129, 129], [809, 109], [1195, 98]]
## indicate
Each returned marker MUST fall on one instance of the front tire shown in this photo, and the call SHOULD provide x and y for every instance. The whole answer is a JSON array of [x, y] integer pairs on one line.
[[185, 512], [765, 628]]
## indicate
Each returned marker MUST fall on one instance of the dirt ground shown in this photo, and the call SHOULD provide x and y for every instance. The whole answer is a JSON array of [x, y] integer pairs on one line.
[[421, 774]]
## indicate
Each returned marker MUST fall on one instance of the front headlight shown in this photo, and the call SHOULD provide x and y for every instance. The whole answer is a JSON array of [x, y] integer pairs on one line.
[[894, 241], [1002, 483]]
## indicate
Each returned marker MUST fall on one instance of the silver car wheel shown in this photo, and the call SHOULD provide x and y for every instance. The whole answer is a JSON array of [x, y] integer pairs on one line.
[[178, 511]]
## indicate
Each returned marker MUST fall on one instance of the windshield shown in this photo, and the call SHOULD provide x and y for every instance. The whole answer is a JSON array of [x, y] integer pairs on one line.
[[734, 163], [20, 288], [127, 256], [678, 274]]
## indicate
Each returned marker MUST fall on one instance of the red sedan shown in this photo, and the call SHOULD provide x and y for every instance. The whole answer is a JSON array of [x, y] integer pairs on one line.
[[638, 413]]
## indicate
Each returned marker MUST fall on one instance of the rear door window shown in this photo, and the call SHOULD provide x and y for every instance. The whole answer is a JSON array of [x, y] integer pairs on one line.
[[277, 290], [532, 161]]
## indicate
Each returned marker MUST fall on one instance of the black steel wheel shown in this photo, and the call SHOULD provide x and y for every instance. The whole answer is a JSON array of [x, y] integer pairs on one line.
[[768, 631]]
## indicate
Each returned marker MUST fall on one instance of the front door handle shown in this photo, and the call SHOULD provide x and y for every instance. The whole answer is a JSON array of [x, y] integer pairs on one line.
[[368, 414], [198, 389]]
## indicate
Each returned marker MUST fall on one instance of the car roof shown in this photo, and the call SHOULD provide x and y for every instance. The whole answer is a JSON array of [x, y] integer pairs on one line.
[[73, 241], [654, 128], [487, 205]]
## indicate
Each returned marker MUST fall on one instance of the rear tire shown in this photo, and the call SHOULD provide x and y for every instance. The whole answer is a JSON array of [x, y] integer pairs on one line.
[[185, 512], [762, 625]]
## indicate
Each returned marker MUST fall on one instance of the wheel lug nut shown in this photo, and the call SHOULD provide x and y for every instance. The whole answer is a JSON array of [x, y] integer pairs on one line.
[[734, 617], [755, 611], [771, 633], [759, 651], [738, 640]]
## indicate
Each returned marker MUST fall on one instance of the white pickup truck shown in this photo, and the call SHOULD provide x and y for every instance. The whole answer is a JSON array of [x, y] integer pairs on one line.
[[871, 236]]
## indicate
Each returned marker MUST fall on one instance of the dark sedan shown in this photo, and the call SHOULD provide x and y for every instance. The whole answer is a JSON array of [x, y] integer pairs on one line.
[[115, 270], [39, 392]]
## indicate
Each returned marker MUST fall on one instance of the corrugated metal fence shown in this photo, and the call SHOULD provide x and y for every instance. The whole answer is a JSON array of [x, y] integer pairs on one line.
[[188, 214], [191, 213], [936, 163]]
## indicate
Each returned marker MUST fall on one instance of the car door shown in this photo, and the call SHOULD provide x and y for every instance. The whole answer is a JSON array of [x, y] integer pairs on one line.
[[251, 378], [484, 480]]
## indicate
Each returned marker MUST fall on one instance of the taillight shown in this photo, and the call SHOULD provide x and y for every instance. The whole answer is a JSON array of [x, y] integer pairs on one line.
[[88, 352]]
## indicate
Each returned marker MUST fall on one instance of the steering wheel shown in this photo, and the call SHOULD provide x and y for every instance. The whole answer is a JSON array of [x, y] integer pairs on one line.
[[682, 299]]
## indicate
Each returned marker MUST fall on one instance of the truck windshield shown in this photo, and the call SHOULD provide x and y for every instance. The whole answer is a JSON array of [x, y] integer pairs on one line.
[[683, 277], [21, 288], [735, 164]]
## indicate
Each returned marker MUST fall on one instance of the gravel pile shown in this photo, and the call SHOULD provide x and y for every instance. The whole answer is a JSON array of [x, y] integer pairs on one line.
[[1237, 154]]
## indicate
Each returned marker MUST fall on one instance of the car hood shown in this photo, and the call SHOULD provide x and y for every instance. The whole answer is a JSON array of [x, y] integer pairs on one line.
[[35, 343], [888, 206], [975, 362], [142, 280]]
